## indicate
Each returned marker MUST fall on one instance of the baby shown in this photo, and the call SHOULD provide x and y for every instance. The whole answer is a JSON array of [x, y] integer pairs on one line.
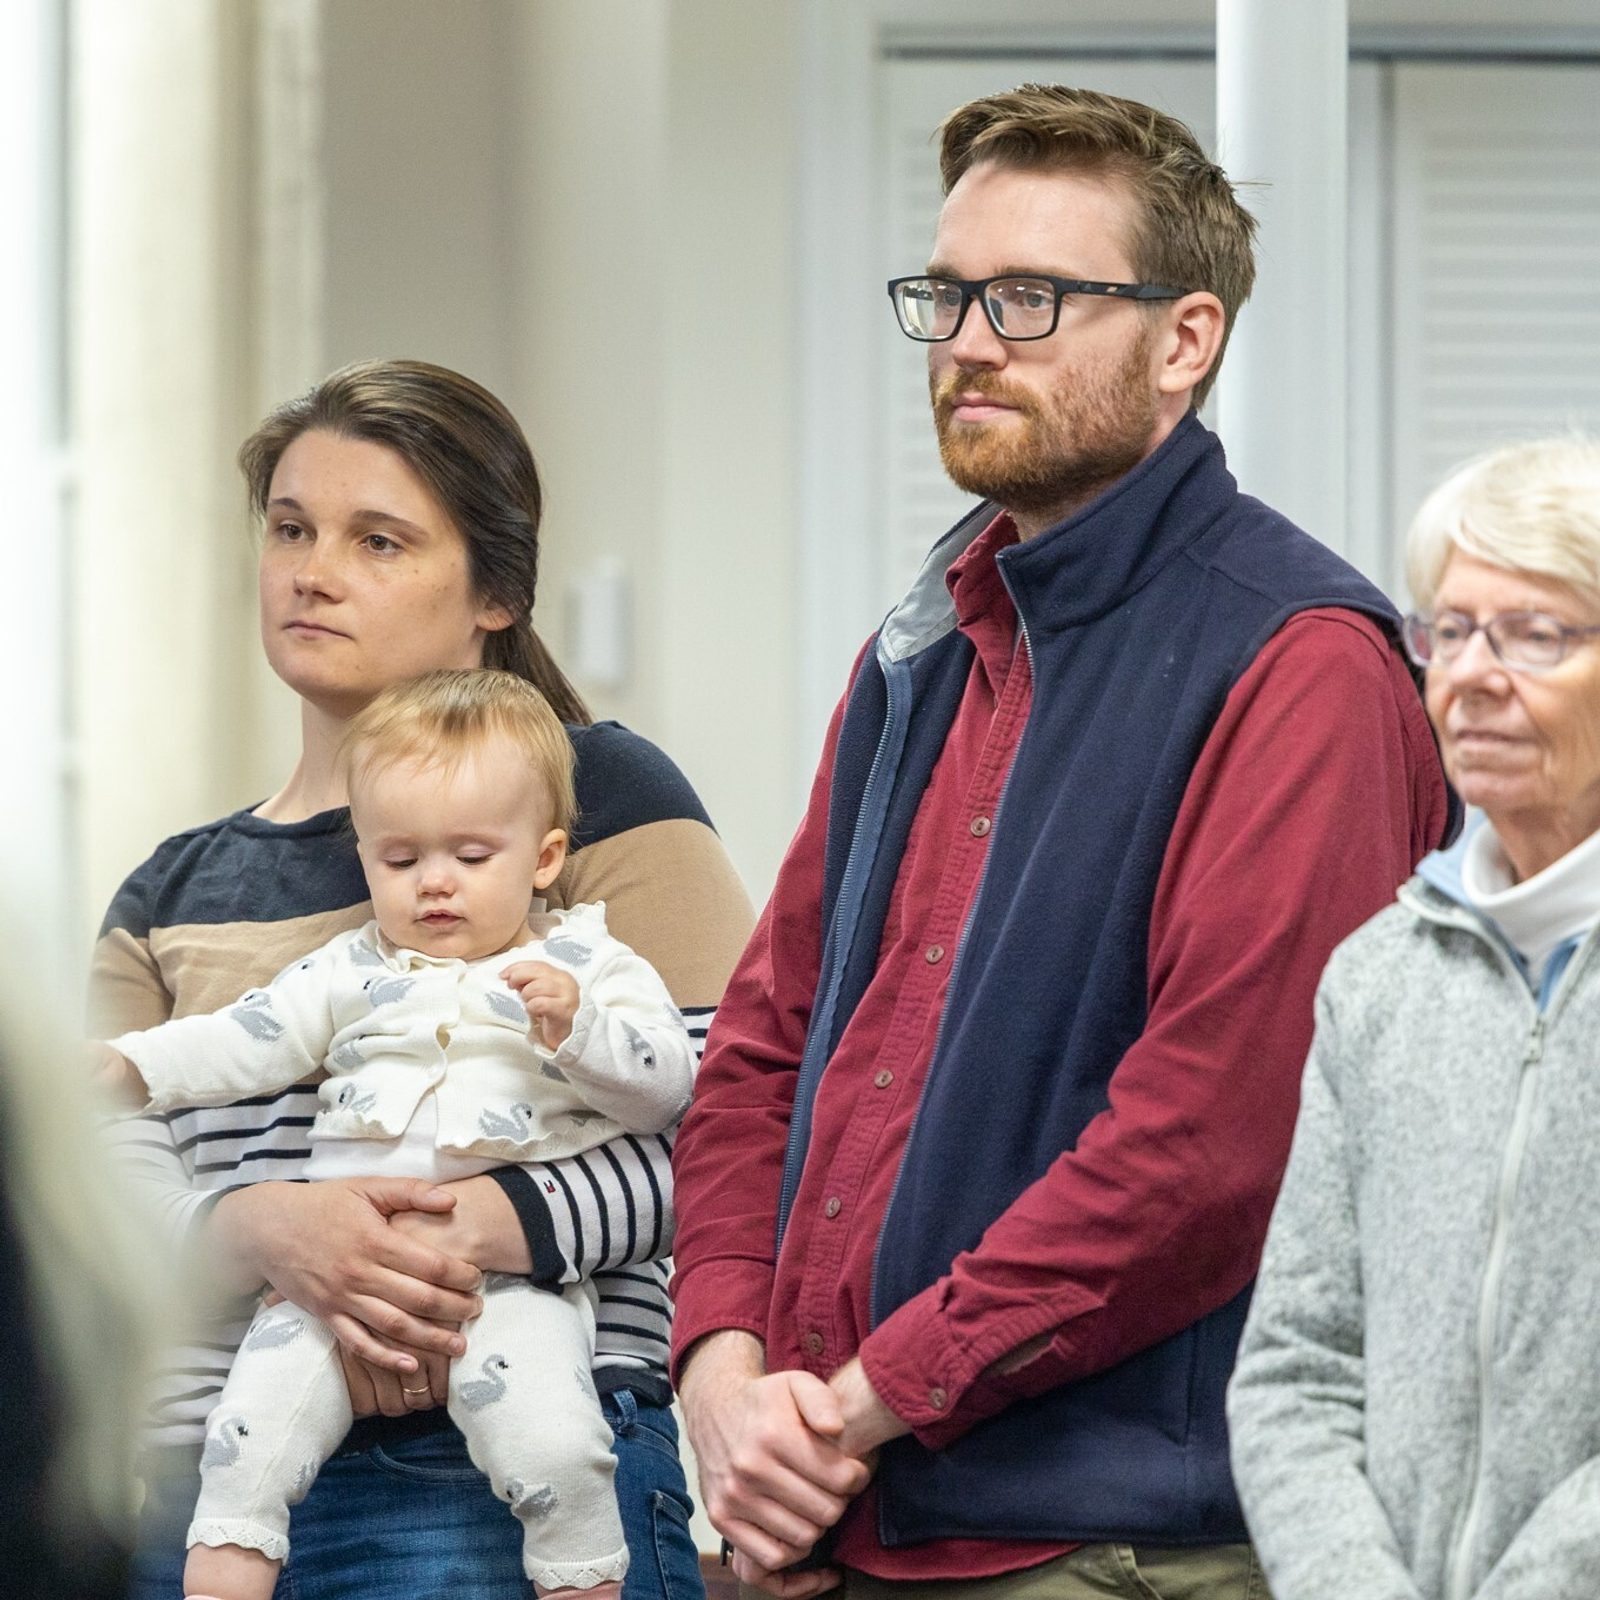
[[461, 798]]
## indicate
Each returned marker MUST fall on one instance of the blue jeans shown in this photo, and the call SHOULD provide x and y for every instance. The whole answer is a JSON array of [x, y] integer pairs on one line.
[[417, 1521]]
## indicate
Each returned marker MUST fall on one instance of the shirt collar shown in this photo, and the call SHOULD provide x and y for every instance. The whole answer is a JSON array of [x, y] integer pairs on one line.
[[983, 607]]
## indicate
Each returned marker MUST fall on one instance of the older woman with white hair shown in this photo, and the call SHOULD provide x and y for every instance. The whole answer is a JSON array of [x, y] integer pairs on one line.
[[1416, 1410]]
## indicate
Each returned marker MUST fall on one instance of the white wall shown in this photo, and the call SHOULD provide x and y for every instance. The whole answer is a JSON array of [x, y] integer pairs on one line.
[[589, 138], [474, 178], [657, 175], [418, 158]]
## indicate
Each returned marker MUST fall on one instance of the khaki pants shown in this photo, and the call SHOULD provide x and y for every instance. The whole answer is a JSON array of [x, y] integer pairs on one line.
[[1098, 1572]]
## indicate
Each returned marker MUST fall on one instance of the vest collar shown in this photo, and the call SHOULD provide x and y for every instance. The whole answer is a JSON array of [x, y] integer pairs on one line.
[[1092, 561], [1100, 556]]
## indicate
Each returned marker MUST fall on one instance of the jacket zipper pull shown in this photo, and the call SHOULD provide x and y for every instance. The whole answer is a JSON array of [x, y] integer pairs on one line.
[[1535, 1042]]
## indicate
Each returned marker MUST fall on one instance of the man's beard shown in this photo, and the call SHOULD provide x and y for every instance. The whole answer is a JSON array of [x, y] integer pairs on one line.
[[1072, 444]]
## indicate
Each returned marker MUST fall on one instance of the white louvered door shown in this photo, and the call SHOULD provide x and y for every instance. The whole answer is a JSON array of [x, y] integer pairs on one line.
[[1496, 262]]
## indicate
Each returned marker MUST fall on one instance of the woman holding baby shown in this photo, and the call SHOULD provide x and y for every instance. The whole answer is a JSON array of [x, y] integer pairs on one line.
[[400, 511]]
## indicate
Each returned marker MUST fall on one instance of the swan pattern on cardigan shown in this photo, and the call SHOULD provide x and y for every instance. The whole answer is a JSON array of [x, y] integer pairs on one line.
[[356, 1101], [253, 1013], [505, 1004], [514, 1126], [385, 991], [570, 951], [347, 1057], [639, 1045]]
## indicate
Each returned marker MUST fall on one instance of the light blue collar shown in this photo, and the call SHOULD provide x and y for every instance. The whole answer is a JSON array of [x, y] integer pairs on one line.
[[1442, 871]]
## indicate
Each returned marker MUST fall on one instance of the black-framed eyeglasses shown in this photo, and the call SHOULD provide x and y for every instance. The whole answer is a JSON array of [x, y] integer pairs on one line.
[[1524, 641], [1027, 306]]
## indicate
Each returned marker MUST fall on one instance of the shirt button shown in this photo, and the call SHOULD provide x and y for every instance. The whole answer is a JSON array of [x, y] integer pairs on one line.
[[938, 1399], [934, 954], [980, 826], [884, 1078], [813, 1343], [833, 1207]]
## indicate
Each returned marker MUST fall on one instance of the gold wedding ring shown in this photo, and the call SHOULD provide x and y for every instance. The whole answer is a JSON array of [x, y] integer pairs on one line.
[[422, 1390]]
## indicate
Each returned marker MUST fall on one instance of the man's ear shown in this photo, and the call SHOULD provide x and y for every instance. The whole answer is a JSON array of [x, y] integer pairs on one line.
[[552, 858], [1191, 342]]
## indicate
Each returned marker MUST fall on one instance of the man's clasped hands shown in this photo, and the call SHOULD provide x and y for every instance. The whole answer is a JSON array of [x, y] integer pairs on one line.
[[781, 1455]]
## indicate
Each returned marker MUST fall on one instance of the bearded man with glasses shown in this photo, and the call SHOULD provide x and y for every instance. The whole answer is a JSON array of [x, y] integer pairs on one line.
[[994, 1111]]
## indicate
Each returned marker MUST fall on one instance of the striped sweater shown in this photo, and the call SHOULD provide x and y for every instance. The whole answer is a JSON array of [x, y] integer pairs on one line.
[[219, 909]]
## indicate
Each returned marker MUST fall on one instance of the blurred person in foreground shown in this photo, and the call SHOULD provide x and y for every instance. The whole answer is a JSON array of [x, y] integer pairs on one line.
[[1416, 1413], [84, 1302], [1010, 1067]]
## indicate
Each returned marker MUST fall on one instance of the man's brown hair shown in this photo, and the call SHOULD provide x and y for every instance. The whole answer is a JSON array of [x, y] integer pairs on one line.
[[1189, 230]]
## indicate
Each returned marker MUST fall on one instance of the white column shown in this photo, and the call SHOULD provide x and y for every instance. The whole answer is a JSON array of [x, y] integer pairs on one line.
[[1282, 74], [160, 315], [35, 876]]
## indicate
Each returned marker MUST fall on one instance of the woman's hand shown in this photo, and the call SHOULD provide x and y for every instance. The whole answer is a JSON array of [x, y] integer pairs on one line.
[[330, 1248], [377, 1391], [481, 1227], [551, 997]]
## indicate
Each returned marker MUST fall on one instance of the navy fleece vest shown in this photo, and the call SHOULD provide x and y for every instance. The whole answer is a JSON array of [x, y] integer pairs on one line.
[[1139, 615]]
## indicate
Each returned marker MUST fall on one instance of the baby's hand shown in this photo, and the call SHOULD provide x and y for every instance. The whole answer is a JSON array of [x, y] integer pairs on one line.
[[551, 997], [114, 1074]]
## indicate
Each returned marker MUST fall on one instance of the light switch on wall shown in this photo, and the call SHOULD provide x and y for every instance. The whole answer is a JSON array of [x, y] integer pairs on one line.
[[600, 626]]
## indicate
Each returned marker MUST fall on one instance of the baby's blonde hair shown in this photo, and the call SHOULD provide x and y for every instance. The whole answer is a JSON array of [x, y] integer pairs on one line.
[[441, 717], [1532, 508]]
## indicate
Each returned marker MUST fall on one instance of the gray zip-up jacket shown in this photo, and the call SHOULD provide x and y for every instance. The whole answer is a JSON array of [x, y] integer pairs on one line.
[[1416, 1408]]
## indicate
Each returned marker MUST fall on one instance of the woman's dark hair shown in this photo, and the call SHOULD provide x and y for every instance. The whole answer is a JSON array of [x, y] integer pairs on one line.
[[470, 452]]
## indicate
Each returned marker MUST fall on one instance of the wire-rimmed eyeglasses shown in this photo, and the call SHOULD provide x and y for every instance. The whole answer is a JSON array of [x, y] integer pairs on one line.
[[1524, 641], [1028, 306]]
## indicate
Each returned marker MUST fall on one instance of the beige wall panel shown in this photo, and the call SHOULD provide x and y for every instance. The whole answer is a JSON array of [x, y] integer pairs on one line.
[[418, 139], [728, 577], [658, 178]]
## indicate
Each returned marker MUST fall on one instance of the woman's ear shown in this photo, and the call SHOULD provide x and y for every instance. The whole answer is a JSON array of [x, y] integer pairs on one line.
[[552, 858], [494, 618]]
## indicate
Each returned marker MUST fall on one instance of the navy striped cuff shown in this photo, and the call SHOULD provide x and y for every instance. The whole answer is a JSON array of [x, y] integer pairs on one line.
[[549, 1265]]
